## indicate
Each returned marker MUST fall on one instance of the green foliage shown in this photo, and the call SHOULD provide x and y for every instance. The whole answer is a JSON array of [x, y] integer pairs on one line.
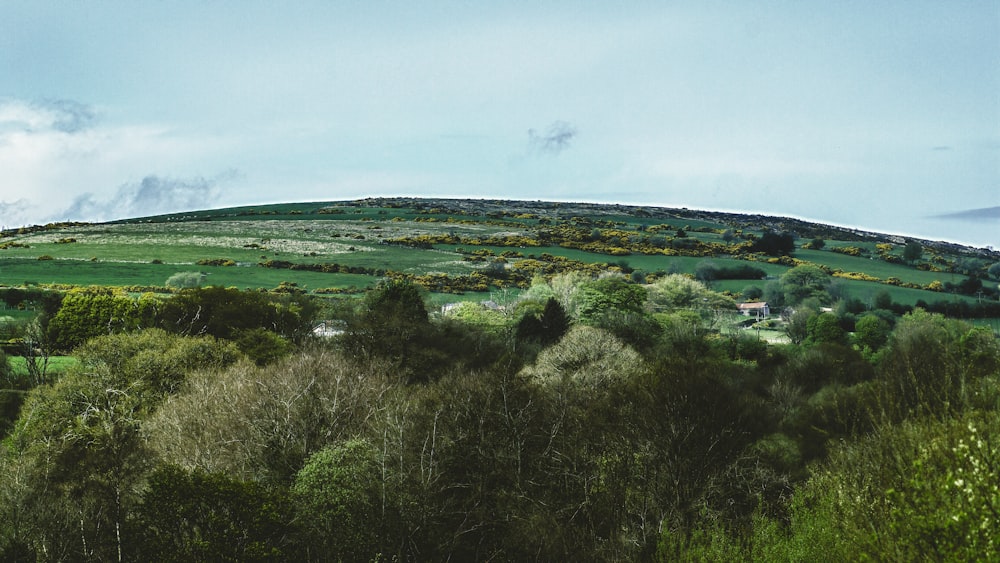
[[225, 312], [392, 316], [481, 317], [6, 372], [775, 244], [547, 327], [677, 291], [994, 271], [871, 333], [88, 312], [197, 516], [339, 498], [919, 491], [183, 280], [78, 446], [825, 328], [913, 251], [613, 293], [804, 282], [262, 346], [933, 365]]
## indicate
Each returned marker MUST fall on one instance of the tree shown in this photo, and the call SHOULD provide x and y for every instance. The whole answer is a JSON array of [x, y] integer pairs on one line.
[[198, 516], [994, 271], [225, 312], [774, 244], [933, 365], [262, 423], [912, 251], [547, 327], [338, 497], [803, 282], [915, 491], [78, 453], [88, 312], [677, 291], [797, 327], [871, 333], [392, 324], [706, 272], [817, 243], [599, 296], [825, 327], [752, 292]]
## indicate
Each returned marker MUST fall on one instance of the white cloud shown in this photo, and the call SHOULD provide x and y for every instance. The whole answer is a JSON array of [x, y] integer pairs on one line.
[[56, 161]]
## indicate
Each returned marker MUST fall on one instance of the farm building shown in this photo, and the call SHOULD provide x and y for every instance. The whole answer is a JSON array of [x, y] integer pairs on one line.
[[756, 309], [328, 329]]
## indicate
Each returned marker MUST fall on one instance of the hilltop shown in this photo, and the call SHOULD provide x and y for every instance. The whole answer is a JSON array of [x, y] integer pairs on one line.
[[467, 246]]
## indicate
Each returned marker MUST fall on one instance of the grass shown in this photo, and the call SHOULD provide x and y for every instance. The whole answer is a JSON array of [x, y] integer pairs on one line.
[[875, 267], [123, 254], [58, 365]]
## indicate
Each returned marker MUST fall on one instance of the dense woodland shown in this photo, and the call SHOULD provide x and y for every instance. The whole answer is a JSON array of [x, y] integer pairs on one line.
[[592, 418], [600, 400]]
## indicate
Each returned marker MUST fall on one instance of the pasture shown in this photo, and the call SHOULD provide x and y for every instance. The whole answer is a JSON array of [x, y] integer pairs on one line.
[[146, 252]]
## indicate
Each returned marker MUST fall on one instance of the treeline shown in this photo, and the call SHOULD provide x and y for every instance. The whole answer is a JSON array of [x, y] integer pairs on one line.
[[68, 319], [594, 419]]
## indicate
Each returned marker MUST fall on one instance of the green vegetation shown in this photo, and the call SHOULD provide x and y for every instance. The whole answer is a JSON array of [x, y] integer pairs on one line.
[[596, 394]]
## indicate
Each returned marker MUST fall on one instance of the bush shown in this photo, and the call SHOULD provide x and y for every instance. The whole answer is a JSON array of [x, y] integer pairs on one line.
[[182, 280]]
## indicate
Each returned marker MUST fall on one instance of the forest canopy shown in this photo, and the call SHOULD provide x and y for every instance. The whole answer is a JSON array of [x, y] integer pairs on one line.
[[589, 418]]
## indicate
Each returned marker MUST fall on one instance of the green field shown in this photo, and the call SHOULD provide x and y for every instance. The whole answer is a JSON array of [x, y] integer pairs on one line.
[[146, 252], [57, 365]]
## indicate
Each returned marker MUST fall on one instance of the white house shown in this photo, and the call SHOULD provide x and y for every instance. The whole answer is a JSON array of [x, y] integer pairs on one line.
[[757, 309], [328, 329]]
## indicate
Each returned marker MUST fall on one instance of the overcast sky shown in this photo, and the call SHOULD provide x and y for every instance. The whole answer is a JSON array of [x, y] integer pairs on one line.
[[872, 114]]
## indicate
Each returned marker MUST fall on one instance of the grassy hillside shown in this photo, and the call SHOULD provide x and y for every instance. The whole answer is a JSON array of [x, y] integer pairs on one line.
[[347, 246]]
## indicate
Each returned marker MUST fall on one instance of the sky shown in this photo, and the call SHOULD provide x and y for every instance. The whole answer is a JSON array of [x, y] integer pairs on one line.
[[878, 115]]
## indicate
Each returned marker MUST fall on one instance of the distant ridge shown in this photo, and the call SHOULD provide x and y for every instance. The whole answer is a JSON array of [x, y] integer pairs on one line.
[[982, 214]]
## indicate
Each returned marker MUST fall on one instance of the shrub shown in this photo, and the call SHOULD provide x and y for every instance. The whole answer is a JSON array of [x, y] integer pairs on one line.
[[182, 280]]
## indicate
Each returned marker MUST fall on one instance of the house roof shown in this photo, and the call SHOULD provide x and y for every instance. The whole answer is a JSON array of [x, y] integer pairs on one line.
[[754, 305]]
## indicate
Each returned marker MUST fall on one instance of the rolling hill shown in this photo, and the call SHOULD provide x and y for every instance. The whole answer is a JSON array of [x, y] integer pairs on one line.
[[470, 247]]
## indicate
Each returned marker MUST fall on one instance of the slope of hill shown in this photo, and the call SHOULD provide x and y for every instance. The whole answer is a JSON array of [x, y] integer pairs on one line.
[[459, 246]]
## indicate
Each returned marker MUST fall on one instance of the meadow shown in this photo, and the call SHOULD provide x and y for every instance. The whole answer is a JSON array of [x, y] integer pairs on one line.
[[232, 245]]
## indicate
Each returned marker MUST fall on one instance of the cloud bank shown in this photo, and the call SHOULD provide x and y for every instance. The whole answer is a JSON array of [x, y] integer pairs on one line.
[[65, 116], [153, 195]]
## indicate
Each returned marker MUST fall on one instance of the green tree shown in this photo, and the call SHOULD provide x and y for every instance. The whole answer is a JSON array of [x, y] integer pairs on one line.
[[597, 297], [871, 333], [912, 251], [393, 324], [826, 328], [88, 312], [804, 282], [994, 271], [225, 312], [915, 491], [197, 516], [677, 291], [935, 366], [77, 453], [338, 496], [547, 327]]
